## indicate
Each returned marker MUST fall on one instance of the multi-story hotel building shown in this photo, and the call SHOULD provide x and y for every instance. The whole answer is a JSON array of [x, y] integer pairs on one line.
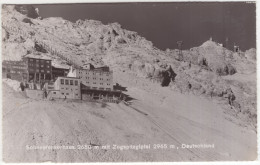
[[16, 70], [38, 69], [59, 72], [96, 78], [66, 87]]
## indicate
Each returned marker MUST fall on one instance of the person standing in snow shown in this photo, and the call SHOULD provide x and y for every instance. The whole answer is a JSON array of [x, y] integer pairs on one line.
[[45, 94], [22, 86], [231, 97], [212, 90]]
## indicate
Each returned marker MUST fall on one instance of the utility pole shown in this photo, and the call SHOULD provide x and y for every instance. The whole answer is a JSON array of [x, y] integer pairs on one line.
[[226, 43], [180, 56]]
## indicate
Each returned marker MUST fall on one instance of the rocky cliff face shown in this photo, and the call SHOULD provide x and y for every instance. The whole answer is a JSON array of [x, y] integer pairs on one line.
[[208, 70], [27, 10]]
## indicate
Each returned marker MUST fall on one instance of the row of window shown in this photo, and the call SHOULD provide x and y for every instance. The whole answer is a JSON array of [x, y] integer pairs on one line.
[[18, 67], [37, 60], [94, 78], [37, 65], [101, 88], [12, 71], [14, 63], [69, 82], [95, 73], [37, 70], [96, 83], [68, 89]]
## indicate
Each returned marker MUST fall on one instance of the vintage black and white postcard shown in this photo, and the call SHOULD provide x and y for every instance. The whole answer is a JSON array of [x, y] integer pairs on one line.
[[129, 82]]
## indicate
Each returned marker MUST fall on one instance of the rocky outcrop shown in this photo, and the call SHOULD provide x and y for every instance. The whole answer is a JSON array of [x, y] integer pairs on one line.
[[27, 10], [251, 54]]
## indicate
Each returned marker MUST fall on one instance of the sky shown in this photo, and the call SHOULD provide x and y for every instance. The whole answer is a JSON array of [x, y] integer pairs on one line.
[[166, 23]]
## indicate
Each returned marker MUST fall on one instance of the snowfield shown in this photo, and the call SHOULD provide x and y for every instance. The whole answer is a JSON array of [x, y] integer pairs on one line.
[[159, 118], [191, 111]]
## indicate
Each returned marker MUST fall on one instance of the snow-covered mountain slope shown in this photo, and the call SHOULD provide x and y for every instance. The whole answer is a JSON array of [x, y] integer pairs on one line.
[[205, 71], [91, 41], [157, 117]]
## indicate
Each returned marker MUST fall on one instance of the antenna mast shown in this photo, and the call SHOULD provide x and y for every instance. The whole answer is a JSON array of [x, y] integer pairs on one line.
[[180, 56]]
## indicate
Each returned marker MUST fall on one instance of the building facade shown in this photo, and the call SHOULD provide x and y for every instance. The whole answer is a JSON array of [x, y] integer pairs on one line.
[[67, 88], [38, 69], [16, 70], [59, 72], [97, 78]]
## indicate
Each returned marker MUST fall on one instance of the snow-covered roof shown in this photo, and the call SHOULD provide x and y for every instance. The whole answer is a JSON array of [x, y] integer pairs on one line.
[[43, 57], [58, 65]]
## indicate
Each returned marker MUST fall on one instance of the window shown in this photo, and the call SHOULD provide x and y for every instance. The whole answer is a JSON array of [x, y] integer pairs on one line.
[[87, 82], [31, 59], [42, 66], [66, 82], [48, 71], [76, 94], [107, 79], [101, 83], [76, 82], [67, 93], [47, 61], [71, 82], [37, 65], [94, 83], [37, 70], [48, 66], [101, 78], [108, 84], [54, 92], [37, 60], [94, 78], [62, 81], [62, 93]]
